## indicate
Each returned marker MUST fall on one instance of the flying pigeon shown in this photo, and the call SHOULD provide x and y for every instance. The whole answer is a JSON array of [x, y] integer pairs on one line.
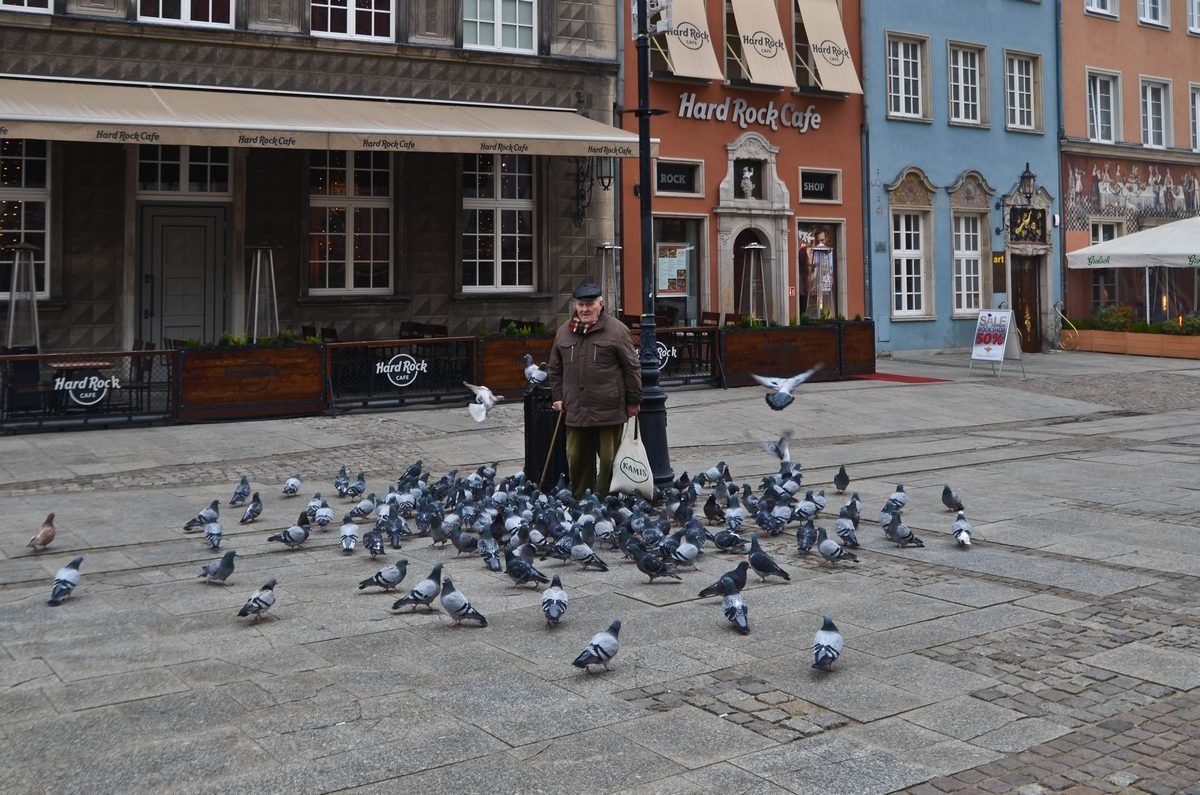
[[291, 486], [600, 649], [841, 480], [762, 563], [737, 576], [45, 534], [827, 645], [259, 602], [734, 606], [459, 606], [253, 510], [209, 514], [241, 492], [831, 550], [485, 401], [220, 569], [295, 535], [781, 398], [780, 449], [424, 592], [212, 534], [349, 534], [535, 374], [554, 602], [65, 582], [951, 499], [388, 577], [962, 530]]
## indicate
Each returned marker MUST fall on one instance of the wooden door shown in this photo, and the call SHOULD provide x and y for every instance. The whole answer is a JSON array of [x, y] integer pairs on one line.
[[1027, 301], [183, 273]]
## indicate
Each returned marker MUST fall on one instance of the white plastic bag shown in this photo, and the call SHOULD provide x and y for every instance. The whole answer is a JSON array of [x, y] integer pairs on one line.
[[631, 466]]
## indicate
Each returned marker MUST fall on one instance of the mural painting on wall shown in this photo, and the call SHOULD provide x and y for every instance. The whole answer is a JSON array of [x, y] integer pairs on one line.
[[1129, 191], [816, 257]]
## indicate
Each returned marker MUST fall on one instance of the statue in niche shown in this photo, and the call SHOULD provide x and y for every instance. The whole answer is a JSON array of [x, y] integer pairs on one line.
[[747, 182]]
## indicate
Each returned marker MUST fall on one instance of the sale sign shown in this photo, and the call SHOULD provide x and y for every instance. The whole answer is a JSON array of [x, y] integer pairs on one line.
[[991, 334]]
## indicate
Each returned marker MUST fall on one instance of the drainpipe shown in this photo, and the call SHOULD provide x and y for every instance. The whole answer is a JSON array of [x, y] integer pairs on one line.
[[1058, 80], [618, 183], [865, 160]]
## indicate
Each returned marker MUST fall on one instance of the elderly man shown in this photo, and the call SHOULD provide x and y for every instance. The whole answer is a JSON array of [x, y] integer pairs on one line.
[[596, 380]]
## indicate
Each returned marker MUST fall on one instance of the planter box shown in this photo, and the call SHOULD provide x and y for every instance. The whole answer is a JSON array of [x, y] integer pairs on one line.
[[501, 364], [783, 351], [1139, 344], [235, 383], [1180, 347], [857, 347], [1108, 341]]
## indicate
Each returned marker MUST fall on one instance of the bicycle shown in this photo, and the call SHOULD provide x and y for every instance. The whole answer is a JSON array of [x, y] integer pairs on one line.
[[1068, 338]]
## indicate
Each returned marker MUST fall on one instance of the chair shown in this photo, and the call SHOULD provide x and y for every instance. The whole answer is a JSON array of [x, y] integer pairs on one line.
[[24, 390], [308, 332], [328, 334], [734, 318], [710, 318]]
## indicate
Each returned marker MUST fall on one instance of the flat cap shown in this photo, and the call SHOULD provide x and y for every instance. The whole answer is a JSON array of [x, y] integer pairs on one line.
[[587, 291]]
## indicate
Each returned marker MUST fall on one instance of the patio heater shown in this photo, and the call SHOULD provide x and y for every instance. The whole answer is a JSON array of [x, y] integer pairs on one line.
[[262, 307], [23, 334]]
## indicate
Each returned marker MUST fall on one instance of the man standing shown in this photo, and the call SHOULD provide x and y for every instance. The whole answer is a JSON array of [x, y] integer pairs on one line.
[[596, 380]]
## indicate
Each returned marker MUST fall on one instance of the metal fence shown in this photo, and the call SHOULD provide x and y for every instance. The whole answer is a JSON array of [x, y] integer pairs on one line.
[[688, 355], [391, 373]]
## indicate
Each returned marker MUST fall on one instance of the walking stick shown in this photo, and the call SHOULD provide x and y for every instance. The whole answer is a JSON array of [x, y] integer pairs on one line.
[[550, 452]]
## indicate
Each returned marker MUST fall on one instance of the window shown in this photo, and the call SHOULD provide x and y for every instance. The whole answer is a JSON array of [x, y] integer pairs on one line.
[[497, 212], [34, 6], [1195, 114], [183, 169], [214, 13], [905, 78], [908, 264], [350, 222], [1155, 113], [968, 104], [352, 19], [1102, 110], [499, 24], [1152, 12], [968, 265], [25, 205], [1194, 16], [1020, 92], [1101, 6], [1104, 280], [735, 66]]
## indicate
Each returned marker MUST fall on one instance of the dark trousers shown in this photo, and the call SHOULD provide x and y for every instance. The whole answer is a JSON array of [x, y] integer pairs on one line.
[[590, 454]]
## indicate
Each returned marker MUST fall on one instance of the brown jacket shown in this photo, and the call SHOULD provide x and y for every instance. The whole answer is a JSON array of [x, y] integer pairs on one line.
[[595, 374]]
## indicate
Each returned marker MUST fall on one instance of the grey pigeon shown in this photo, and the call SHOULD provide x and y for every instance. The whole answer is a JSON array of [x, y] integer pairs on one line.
[[854, 508], [582, 553], [241, 492], [220, 569], [459, 606], [372, 540], [651, 564], [212, 534], [600, 649], [65, 582], [45, 534], [259, 602], [488, 549], [424, 592], [781, 398], [554, 602], [388, 577], [291, 486], [762, 563], [521, 571], [485, 401], [253, 510], [844, 527], [841, 480], [737, 576], [806, 536], [780, 449], [364, 508], [827, 645], [348, 534], [209, 514], [831, 550], [962, 530], [899, 498], [359, 485], [341, 481], [951, 499], [734, 606], [323, 515], [295, 535], [901, 534], [534, 374]]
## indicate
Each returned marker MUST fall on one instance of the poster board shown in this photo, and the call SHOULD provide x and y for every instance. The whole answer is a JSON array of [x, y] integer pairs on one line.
[[672, 270], [991, 335]]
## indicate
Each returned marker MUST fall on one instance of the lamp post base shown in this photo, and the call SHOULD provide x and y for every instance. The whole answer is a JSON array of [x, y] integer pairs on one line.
[[653, 416]]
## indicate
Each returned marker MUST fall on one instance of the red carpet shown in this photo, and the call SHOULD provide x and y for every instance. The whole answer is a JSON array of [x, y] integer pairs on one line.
[[900, 379]]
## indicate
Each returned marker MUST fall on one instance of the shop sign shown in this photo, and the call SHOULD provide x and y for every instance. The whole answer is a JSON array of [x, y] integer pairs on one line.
[[88, 390], [402, 370], [818, 186], [677, 177], [743, 113]]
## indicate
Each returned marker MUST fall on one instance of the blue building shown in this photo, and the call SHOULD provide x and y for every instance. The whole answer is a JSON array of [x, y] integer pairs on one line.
[[960, 96]]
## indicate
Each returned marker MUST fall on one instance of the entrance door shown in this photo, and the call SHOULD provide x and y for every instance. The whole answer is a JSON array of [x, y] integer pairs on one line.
[[182, 273], [1026, 302]]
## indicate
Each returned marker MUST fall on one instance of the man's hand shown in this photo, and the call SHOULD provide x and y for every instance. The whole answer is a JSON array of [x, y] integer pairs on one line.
[[557, 405], [633, 409]]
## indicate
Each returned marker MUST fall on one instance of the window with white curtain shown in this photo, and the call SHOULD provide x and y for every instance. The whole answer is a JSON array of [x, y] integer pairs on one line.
[[349, 222], [909, 266], [1155, 113], [1102, 108], [25, 206], [968, 265]]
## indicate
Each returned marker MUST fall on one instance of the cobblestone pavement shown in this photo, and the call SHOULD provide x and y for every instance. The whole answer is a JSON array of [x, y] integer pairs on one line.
[[1058, 654]]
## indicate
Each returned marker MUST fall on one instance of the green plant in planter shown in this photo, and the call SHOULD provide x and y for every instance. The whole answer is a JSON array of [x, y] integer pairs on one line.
[[286, 337], [1189, 326], [1113, 318], [192, 344], [226, 339], [857, 317], [313, 340]]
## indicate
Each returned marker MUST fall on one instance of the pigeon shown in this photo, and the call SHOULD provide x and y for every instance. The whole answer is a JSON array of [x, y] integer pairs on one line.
[[295, 535], [209, 514], [359, 485], [841, 480], [349, 535], [962, 530], [485, 401], [291, 486], [831, 550], [220, 569], [827, 645], [341, 481], [372, 540], [712, 511], [323, 515], [259, 602], [488, 549], [853, 508], [780, 449], [212, 534], [781, 398], [899, 498], [253, 510], [314, 504], [459, 606], [424, 592], [45, 534], [534, 373], [734, 606], [901, 534], [762, 563], [600, 649], [521, 571], [554, 602], [651, 565], [685, 552], [65, 582], [241, 492], [844, 527], [806, 536], [737, 576], [582, 553], [388, 577], [951, 499]]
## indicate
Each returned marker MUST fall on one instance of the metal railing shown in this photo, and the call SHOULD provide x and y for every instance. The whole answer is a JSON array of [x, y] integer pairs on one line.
[[391, 373]]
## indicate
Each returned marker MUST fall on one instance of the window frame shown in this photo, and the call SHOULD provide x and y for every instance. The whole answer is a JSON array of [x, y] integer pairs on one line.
[[185, 15], [1194, 114], [1163, 20], [23, 7], [960, 257], [38, 194], [1035, 91], [349, 203], [1113, 80], [352, 33], [498, 206], [186, 160], [1104, 275], [498, 26], [979, 51], [921, 80], [1163, 85], [1108, 8], [1193, 16], [922, 256]]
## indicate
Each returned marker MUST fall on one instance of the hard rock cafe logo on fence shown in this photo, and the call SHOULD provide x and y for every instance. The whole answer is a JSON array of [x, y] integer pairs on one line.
[[665, 354], [402, 369], [87, 391]]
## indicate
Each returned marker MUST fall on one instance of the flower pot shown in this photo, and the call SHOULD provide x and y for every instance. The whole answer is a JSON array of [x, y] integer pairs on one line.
[[251, 381]]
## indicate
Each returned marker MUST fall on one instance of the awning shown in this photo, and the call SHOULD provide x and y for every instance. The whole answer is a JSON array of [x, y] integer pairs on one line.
[[689, 43], [63, 111], [1173, 245], [827, 43], [765, 54]]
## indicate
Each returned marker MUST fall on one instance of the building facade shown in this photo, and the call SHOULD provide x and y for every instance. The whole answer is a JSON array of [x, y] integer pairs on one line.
[[421, 161], [960, 97]]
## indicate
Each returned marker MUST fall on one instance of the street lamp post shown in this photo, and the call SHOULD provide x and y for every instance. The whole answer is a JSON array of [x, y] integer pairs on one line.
[[653, 417]]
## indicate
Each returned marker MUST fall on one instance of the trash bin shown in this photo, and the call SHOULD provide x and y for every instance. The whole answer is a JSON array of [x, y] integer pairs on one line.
[[540, 422]]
